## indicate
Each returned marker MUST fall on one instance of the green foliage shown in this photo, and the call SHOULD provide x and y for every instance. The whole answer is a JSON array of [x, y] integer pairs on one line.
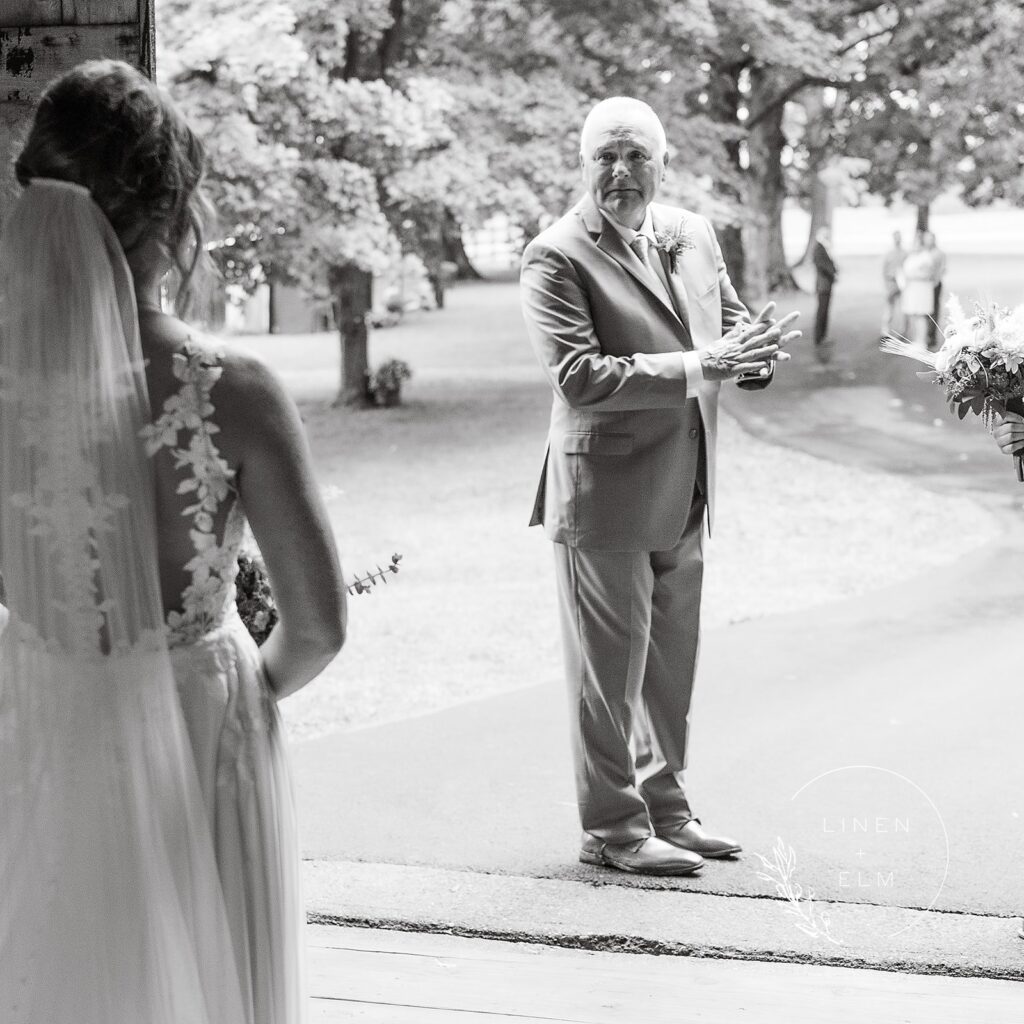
[[343, 132], [340, 135], [385, 383], [302, 152], [939, 105]]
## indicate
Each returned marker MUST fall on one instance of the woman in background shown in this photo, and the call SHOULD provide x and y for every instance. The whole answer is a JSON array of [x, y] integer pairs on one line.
[[918, 295]]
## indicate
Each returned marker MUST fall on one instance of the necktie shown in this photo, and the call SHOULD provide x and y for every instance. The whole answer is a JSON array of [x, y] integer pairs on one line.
[[639, 246]]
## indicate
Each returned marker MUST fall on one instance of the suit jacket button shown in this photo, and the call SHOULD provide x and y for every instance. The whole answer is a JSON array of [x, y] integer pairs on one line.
[[693, 433]]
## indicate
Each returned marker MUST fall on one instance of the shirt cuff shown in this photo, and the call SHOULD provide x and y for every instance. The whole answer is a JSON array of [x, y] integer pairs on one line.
[[694, 373]]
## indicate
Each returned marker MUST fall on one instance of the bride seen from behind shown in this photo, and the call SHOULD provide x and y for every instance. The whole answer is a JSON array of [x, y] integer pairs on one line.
[[149, 837]]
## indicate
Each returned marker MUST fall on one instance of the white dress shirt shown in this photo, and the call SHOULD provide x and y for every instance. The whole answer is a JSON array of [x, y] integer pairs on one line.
[[691, 360]]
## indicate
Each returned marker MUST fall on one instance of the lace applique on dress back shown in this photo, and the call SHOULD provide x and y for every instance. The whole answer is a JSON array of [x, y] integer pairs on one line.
[[211, 593], [68, 508]]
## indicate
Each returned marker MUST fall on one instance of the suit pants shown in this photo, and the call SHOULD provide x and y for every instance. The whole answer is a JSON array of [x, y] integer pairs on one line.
[[630, 636], [821, 315]]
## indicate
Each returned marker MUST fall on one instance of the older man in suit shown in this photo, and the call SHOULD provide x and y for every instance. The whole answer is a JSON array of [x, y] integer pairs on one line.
[[630, 310]]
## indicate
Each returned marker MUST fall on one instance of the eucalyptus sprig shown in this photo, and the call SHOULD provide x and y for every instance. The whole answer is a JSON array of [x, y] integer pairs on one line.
[[364, 584]]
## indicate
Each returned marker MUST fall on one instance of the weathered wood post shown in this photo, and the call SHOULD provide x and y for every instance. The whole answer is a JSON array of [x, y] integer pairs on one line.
[[41, 39]]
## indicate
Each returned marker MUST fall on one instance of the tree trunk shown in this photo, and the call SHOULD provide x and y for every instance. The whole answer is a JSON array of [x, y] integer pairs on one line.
[[724, 102], [392, 39], [437, 284], [353, 290], [730, 238], [755, 262], [432, 241], [272, 324], [923, 213], [454, 251], [822, 205], [819, 120], [767, 263]]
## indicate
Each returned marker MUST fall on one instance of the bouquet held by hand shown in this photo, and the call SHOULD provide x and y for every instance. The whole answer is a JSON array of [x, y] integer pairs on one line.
[[980, 366]]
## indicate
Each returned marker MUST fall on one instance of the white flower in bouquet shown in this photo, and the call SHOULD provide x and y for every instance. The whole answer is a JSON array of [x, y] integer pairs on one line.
[[1009, 340], [959, 334]]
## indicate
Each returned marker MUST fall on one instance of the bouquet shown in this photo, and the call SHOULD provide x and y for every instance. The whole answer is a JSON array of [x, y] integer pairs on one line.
[[255, 600], [253, 597], [980, 364]]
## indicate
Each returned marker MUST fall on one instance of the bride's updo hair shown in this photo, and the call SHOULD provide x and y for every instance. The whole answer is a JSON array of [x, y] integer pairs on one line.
[[106, 126]]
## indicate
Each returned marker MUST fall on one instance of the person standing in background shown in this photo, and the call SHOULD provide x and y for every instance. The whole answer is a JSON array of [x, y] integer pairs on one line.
[[892, 278], [918, 291], [826, 274], [938, 273]]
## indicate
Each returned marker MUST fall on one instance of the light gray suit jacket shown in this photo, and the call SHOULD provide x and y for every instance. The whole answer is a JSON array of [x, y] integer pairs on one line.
[[623, 444]]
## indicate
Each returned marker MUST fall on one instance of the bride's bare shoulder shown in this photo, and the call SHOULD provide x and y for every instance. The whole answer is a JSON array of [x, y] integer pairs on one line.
[[249, 400], [169, 345], [261, 427]]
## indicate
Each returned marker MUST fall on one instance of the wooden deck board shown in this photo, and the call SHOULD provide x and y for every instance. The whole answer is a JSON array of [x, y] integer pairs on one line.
[[413, 978], [345, 1012]]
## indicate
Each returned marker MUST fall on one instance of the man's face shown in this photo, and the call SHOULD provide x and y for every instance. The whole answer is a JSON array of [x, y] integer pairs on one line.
[[623, 167]]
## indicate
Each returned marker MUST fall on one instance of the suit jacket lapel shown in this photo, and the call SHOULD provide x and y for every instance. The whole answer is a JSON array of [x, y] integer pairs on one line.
[[677, 288], [610, 242], [676, 281]]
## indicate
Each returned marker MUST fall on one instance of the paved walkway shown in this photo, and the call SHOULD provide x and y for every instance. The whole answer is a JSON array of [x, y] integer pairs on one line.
[[902, 725]]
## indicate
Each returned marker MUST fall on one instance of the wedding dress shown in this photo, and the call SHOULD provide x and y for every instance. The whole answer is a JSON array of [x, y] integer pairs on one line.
[[148, 857], [230, 711]]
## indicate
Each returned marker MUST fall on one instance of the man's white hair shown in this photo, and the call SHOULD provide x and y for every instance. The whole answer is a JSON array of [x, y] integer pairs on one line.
[[622, 112]]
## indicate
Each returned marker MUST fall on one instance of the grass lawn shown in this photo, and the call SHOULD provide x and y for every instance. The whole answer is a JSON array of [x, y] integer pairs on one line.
[[448, 480]]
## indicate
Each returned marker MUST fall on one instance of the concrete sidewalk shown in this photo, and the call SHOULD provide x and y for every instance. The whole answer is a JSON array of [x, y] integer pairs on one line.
[[904, 706]]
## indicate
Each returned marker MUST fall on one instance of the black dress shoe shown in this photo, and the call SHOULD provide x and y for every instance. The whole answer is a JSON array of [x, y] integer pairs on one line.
[[648, 856], [692, 837]]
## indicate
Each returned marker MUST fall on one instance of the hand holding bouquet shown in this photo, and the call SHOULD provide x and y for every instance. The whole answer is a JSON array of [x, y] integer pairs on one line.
[[255, 600], [253, 597], [980, 364]]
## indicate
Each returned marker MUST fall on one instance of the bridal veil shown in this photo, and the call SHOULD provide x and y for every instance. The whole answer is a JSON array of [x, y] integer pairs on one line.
[[112, 908]]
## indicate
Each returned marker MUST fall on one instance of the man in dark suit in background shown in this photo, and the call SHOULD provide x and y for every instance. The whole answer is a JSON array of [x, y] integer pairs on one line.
[[826, 274]]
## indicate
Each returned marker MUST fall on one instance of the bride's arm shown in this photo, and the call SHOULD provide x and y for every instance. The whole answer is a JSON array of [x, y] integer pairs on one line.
[[282, 501]]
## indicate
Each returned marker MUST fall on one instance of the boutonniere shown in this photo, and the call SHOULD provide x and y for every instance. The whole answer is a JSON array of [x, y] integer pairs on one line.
[[674, 244]]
